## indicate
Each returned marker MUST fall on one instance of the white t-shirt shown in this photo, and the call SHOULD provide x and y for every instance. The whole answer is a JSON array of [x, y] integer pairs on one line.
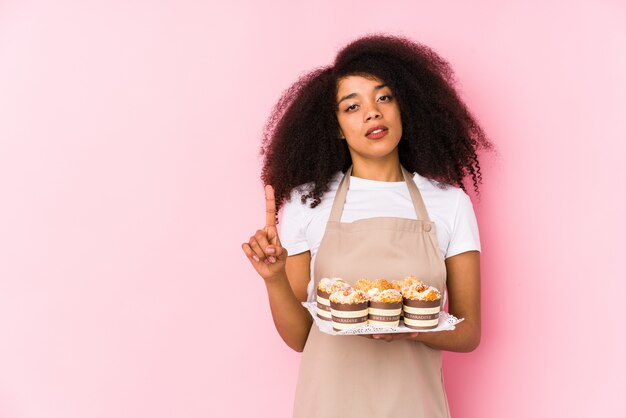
[[302, 228]]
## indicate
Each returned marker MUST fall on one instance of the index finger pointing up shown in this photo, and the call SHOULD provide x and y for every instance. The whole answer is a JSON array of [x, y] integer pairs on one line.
[[270, 206]]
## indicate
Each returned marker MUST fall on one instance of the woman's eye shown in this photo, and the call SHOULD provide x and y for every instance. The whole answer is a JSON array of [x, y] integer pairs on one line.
[[385, 98], [351, 107]]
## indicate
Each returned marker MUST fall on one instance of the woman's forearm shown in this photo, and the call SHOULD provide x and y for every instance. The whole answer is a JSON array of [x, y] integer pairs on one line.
[[292, 320], [464, 338], [463, 284]]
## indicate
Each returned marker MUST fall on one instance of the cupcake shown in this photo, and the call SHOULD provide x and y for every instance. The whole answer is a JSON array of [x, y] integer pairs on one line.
[[407, 282], [348, 309], [382, 284], [369, 286], [385, 308], [325, 287], [422, 305], [404, 284], [363, 285]]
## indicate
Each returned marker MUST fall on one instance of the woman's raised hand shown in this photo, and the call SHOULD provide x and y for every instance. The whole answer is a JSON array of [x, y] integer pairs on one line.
[[264, 250]]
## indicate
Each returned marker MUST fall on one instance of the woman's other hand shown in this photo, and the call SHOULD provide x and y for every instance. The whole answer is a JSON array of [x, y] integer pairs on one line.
[[264, 250]]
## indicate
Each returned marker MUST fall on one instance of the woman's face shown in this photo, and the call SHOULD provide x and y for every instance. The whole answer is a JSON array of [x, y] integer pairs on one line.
[[369, 117]]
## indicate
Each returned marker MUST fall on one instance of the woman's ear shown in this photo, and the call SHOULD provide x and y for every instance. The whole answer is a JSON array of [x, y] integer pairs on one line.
[[341, 135]]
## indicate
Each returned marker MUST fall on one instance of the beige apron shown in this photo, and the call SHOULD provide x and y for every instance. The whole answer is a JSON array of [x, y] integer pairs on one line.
[[353, 376]]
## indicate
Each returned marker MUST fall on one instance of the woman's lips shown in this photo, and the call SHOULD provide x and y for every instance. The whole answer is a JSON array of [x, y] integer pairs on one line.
[[377, 133]]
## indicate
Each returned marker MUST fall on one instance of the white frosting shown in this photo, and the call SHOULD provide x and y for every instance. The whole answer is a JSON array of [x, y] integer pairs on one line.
[[348, 296], [324, 283], [387, 294], [332, 285], [413, 293]]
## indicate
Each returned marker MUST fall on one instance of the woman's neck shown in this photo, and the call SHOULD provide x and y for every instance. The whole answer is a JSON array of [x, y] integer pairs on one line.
[[389, 170]]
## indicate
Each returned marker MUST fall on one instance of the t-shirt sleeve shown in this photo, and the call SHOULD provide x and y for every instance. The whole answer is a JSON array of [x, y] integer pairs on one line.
[[465, 235], [293, 227]]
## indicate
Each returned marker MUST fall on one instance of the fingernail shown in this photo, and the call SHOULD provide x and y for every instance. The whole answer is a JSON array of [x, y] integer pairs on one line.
[[272, 258], [269, 250], [255, 258], [377, 337]]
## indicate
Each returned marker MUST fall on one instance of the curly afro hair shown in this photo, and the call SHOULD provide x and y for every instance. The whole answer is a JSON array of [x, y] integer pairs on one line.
[[440, 137]]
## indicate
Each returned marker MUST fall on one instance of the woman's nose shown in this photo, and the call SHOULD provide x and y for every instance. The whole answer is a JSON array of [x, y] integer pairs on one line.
[[372, 113]]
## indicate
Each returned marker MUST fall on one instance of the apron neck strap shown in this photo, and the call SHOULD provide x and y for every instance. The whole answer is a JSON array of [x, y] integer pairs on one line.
[[342, 192]]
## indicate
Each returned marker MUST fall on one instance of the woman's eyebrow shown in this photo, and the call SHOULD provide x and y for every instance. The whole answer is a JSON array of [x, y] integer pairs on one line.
[[351, 95]]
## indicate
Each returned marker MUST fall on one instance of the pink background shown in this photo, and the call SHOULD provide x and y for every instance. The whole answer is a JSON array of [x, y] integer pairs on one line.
[[129, 173]]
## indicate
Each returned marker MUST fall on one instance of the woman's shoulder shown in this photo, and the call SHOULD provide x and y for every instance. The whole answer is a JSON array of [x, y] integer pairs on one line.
[[440, 195], [433, 186]]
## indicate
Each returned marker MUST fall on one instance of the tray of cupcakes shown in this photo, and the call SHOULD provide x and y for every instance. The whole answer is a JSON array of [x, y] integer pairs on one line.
[[378, 307]]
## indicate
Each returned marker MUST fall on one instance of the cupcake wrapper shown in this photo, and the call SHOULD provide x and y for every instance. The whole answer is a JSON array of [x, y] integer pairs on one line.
[[323, 310], [345, 315], [421, 303], [322, 294], [385, 305], [322, 301], [322, 315], [386, 314], [323, 305], [421, 314], [421, 324]]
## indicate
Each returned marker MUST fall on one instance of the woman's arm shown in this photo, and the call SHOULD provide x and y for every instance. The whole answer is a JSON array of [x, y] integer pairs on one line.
[[286, 278], [463, 283], [286, 291]]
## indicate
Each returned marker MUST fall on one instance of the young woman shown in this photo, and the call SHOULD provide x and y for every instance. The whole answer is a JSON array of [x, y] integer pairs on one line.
[[370, 155]]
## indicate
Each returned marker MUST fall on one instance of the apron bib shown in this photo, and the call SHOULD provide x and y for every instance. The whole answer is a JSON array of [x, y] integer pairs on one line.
[[352, 376]]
